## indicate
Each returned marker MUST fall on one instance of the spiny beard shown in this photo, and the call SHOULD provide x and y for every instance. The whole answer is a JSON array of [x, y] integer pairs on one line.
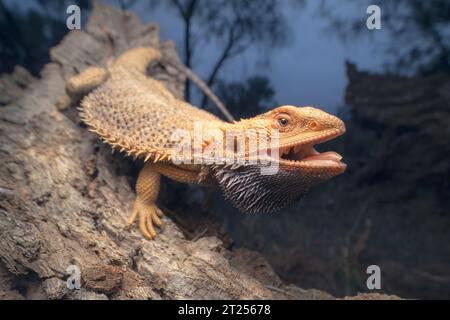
[[251, 192]]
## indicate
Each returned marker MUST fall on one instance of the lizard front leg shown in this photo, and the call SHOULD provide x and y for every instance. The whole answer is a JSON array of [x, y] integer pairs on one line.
[[147, 189]]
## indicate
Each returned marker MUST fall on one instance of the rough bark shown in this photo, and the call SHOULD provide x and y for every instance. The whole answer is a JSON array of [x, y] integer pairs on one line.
[[410, 115], [64, 198]]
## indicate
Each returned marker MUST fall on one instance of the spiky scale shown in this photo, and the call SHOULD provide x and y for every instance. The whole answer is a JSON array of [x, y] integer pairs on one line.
[[138, 114]]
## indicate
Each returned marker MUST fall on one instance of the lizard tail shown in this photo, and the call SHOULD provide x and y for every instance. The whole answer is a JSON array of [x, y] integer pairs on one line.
[[137, 59]]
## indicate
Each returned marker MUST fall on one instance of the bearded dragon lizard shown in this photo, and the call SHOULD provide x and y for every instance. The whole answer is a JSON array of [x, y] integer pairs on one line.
[[136, 114]]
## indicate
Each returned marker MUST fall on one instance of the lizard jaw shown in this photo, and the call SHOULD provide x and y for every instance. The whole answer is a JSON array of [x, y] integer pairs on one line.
[[300, 167], [303, 153]]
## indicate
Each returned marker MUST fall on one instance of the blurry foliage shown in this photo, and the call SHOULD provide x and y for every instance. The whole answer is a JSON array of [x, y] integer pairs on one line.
[[28, 31], [234, 25], [419, 30]]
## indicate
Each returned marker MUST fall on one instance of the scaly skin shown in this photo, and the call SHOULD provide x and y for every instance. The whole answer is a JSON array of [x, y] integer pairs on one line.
[[138, 115]]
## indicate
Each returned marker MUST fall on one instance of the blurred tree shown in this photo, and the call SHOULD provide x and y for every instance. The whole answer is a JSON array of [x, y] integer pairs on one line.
[[235, 25], [28, 30], [248, 98], [420, 32]]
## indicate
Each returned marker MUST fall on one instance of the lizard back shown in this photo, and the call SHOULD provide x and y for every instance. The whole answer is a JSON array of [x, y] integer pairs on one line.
[[138, 114]]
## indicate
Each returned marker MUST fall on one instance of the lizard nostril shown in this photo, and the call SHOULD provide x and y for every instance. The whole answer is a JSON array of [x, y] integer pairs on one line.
[[342, 126]]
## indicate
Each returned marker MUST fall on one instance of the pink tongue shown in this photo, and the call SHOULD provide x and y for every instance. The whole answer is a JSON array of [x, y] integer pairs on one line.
[[329, 155]]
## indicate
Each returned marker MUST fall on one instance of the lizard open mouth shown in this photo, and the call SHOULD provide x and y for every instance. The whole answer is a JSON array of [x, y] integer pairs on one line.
[[305, 154]]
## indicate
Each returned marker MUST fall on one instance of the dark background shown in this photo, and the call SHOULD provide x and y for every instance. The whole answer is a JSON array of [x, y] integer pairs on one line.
[[391, 86]]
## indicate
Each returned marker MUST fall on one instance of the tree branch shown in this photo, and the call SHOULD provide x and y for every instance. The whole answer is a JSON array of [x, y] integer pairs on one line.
[[226, 54], [187, 14]]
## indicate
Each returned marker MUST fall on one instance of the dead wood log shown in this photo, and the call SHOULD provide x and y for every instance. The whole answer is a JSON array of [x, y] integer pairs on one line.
[[64, 198]]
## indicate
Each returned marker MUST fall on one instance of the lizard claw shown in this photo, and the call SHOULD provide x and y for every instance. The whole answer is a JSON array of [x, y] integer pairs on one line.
[[149, 215]]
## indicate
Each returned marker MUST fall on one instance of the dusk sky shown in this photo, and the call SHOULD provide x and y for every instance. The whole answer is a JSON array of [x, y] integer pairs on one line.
[[308, 71]]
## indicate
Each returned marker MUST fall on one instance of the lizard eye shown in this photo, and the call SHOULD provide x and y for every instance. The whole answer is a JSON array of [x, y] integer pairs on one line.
[[314, 125], [283, 122]]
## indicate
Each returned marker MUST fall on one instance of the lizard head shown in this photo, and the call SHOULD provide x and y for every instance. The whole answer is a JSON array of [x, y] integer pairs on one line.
[[292, 165]]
